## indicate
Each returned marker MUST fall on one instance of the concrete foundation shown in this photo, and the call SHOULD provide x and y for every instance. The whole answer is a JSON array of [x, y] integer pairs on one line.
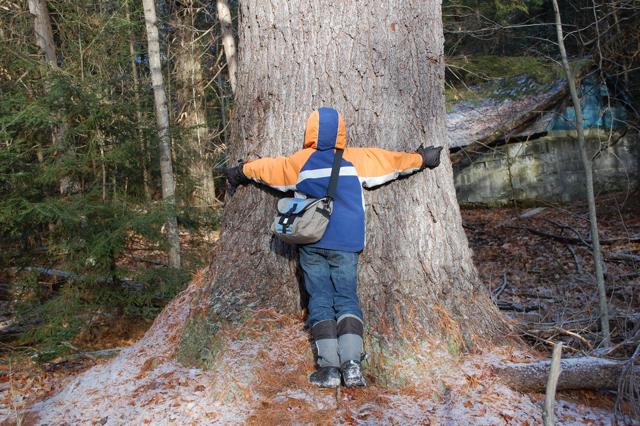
[[548, 170]]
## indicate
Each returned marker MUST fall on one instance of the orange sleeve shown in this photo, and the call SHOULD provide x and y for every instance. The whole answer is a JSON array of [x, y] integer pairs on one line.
[[280, 173], [376, 166]]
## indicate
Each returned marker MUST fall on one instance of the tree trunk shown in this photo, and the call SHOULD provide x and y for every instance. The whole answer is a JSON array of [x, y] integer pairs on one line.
[[228, 42], [588, 171], [44, 39], [191, 106], [42, 30], [162, 120], [144, 147], [383, 68]]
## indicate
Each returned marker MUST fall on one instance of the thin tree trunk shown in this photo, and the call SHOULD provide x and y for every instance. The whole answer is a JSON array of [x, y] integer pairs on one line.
[[586, 162], [44, 39], [550, 396], [383, 68], [228, 42], [42, 30], [223, 110], [191, 106], [162, 120], [144, 147], [103, 170]]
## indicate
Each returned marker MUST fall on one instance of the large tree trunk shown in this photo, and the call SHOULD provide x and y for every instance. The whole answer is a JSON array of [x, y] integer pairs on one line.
[[383, 68], [190, 102], [162, 120]]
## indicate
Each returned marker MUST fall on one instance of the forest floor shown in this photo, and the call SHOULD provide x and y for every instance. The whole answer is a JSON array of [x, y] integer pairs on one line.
[[534, 260]]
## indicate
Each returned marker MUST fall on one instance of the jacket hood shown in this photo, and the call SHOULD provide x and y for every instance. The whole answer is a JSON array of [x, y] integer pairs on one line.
[[325, 130]]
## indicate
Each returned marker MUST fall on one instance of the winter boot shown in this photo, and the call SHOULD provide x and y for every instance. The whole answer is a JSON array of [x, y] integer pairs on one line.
[[350, 350], [352, 374], [326, 377], [350, 345]]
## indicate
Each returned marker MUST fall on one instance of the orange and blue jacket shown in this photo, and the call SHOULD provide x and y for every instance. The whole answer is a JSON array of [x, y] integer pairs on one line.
[[307, 172]]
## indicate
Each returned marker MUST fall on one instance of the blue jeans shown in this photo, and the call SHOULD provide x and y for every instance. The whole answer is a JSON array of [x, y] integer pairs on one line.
[[331, 279]]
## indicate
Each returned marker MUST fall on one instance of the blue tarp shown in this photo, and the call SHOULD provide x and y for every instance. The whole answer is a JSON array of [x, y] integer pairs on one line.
[[598, 108]]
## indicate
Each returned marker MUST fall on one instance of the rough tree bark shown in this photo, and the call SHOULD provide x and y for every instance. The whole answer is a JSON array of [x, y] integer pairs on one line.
[[190, 99], [383, 68], [162, 120]]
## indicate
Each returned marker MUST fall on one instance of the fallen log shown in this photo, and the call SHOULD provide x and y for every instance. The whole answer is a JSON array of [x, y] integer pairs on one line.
[[620, 320], [506, 305], [577, 373], [623, 257], [487, 134], [622, 277], [576, 240], [68, 362], [532, 212], [64, 275]]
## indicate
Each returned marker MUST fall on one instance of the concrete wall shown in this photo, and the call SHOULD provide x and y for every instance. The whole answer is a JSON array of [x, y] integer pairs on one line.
[[547, 169]]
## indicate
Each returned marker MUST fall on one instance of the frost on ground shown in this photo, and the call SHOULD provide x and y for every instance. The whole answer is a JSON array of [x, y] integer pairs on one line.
[[260, 377]]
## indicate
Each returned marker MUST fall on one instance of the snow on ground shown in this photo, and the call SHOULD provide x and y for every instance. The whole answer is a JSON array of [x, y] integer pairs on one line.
[[143, 385], [260, 377]]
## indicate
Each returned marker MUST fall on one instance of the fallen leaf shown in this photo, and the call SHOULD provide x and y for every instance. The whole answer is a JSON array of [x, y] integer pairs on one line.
[[480, 413], [472, 380], [506, 417]]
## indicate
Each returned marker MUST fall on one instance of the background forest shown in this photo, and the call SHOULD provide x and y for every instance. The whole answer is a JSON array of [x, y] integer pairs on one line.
[[80, 175], [83, 222]]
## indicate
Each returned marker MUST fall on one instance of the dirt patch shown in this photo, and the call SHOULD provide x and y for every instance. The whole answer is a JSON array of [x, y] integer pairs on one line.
[[547, 266]]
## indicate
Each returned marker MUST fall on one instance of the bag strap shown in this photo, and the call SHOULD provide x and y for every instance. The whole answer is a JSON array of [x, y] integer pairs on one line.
[[335, 173]]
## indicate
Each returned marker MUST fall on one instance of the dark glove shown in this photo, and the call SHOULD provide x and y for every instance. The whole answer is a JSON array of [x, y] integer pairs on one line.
[[430, 156], [234, 176]]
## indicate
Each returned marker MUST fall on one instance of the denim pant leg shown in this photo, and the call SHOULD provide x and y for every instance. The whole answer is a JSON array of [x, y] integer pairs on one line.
[[344, 275], [317, 282]]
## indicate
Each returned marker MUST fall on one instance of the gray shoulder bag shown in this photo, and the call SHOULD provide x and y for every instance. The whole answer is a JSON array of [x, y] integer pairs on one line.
[[304, 220]]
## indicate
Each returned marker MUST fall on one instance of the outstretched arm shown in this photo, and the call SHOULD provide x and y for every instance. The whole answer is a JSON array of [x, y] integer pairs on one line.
[[376, 166], [280, 173]]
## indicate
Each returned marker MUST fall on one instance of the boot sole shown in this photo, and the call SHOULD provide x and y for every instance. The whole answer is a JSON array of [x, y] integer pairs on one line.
[[354, 384], [329, 384]]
